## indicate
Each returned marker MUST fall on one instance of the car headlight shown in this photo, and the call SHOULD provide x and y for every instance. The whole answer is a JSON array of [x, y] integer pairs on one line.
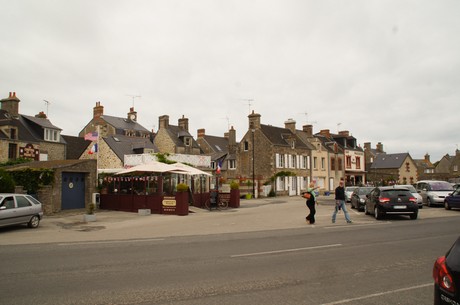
[[362, 200]]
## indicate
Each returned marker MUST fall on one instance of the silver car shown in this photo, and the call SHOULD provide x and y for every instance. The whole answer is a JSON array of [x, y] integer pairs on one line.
[[20, 209], [434, 192], [414, 192]]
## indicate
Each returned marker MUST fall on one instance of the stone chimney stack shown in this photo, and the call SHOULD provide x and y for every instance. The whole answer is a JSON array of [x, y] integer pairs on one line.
[[344, 133], [427, 158], [254, 120], [380, 147], [290, 124], [308, 129], [367, 146], [132, 115], [11, 104], [183, 123], [232, 140], [163, 121], [200, 133], [98, 110]]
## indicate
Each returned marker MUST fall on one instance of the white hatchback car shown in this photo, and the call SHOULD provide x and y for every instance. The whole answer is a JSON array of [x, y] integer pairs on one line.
[[20, 209]]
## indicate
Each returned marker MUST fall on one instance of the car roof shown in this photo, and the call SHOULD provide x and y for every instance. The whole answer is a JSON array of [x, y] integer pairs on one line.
[[393, 187]]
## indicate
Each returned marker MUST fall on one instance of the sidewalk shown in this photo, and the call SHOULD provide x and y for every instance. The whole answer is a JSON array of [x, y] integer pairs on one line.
[[253, 215]]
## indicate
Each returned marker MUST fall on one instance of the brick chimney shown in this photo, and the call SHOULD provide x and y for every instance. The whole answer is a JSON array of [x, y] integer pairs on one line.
[[380, 147], [163, 121], [326, 133], [11, 104], [290, 124], [254, 120], [41, 115], [183, 123], [308, 129], [200, 133], [98, 110]]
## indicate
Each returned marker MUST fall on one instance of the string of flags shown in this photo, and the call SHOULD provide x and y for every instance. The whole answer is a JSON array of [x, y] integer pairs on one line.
[[132, 178]]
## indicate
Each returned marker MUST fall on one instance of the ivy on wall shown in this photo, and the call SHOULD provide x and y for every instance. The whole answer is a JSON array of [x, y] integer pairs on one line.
[[31, 179]]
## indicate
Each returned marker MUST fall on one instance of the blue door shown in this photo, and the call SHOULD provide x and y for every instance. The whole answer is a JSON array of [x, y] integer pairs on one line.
[[73, 191]]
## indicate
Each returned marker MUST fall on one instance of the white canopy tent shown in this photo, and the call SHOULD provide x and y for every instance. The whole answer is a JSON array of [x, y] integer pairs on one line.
[[191, 170], [153, 167]]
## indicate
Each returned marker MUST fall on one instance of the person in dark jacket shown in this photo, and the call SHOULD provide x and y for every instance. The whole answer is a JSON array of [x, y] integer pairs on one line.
[[311, 206], [340, 203]]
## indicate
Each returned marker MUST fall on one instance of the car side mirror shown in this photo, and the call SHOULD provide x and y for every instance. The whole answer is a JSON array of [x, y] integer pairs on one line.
[[2, 208]]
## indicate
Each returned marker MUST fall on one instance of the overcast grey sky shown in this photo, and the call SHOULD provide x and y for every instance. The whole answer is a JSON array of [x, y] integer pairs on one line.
[[387, 71]]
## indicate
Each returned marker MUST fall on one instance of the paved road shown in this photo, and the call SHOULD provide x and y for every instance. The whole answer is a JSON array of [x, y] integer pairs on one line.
[[369, 262], [268, 214]]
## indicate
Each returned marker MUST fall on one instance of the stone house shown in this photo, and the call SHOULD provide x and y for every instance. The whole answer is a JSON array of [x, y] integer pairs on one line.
[[267, 152], [448, 168], [23, 136], [393, 169], [222, 151], [425, 169], [175, 139], [114, 137]]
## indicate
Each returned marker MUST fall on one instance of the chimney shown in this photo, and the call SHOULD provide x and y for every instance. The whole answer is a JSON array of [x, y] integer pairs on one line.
[[41, 115], [344, 133], [427, 158], [380, 147], [183, 123], [308, 129], [200, 133], [11, 104], [326, 133], [163, 122], [290, 124], [254, 120], [98, 110], [232, 140], [367, 146], [132, 115]]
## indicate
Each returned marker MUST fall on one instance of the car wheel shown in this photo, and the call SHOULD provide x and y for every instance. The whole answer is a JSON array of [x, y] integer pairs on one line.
[[446, 205], [377, 213], [413, 216], [34, 222], [428, 202], [365, 210]]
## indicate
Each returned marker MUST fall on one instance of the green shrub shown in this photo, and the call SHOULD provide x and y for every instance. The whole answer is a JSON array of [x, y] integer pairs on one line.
[[234, 185], [182, 187], [6, 182]]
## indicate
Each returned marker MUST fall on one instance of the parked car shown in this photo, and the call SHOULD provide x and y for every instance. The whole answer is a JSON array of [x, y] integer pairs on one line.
[[395, 200], [453, 200], [348, 191], [446, 275], [414, 192], [358, 197], [433, 191], [20, 209]]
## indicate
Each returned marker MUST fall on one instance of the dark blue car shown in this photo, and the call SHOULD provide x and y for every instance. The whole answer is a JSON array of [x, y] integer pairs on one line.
[[453, 200]]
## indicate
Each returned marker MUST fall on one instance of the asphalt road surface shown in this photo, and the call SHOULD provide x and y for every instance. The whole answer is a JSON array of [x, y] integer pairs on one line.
[[380, 262]]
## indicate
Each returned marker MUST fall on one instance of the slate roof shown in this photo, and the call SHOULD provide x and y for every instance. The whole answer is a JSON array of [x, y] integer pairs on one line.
[[122, 124], [177, 134], [217, 144], [76, 146], [280, 136], [384, 161], [123, 145]]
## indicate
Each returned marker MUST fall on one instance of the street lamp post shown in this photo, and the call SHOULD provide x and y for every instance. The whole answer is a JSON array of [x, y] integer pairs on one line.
[[253, 167]]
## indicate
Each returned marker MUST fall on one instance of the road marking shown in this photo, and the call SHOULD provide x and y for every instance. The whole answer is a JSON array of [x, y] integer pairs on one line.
[[354, 225], [109, 242], [285, 250], [378, 294]]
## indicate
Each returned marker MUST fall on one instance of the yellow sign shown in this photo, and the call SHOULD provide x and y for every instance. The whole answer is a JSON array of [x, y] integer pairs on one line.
[[169, 202]]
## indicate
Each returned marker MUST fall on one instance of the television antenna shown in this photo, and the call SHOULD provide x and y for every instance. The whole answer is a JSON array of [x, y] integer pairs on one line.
[[249, 100], [228, 122], [338, 127], [47, 106], [306, 119], [133, 97]]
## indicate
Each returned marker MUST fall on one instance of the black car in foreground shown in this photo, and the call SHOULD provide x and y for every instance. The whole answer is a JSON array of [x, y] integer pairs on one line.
[[391, 200], [446, 274]]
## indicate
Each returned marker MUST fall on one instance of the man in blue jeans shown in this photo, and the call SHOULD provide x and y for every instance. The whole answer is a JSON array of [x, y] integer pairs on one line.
[[340, 203]]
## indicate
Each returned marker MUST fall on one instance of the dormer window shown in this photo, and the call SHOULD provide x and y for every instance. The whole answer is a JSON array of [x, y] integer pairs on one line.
[[187, 141], [13, 134], [52, 135]]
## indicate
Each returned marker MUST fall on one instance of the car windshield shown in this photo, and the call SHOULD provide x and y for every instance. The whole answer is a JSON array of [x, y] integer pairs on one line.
[[441, 186], [365, 190], [350, 189]]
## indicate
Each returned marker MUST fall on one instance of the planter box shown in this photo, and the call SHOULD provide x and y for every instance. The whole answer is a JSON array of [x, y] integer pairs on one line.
[[144, 212]]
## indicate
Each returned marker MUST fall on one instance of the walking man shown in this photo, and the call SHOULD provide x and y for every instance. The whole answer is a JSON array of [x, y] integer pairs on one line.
[[340, 203]]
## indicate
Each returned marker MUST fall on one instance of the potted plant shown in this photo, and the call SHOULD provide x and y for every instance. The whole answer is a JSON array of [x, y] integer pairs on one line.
[[234, 194], [90, 216]]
